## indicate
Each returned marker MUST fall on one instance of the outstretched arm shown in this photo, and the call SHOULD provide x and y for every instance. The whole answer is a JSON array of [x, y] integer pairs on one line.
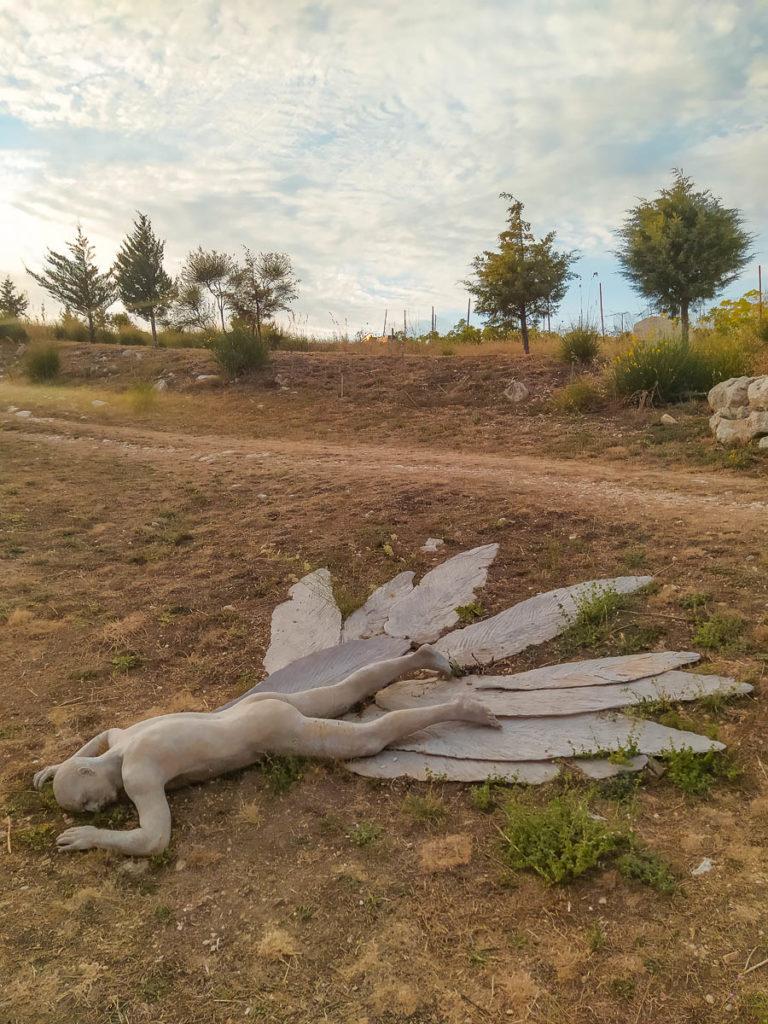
[[92, 748], [145, 788]]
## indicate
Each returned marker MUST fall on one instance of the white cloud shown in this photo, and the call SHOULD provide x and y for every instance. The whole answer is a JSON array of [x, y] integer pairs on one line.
[[370, 141]]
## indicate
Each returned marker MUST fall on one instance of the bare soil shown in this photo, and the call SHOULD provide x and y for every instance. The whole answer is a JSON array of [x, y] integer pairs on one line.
[[143, 546]]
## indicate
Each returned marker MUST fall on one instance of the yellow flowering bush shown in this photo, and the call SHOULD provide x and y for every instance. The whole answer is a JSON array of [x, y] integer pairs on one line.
[[671, 371]]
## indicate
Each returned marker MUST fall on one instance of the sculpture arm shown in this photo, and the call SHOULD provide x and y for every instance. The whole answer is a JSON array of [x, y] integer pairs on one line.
[[145, 788], [92, 748]]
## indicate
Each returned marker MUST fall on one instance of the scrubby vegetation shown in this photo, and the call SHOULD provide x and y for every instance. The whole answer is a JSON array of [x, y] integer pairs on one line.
[[42, 363]]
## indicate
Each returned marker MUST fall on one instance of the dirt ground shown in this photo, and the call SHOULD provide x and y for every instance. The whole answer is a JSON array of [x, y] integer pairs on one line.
[[145, 538]]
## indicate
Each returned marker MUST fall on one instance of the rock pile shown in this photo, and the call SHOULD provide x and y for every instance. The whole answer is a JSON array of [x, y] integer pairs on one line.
[[740, 408]]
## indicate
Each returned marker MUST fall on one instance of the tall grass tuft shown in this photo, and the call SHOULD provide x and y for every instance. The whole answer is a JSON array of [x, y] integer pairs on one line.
[[42, 363], [580, 346], [671, 371], [238, 352]]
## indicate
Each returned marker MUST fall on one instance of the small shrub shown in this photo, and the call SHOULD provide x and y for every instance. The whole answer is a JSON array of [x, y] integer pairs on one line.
[[695, 773], [579, 396], [13, 330], [282, 771], [471, 612], [561, 840], [141, 398], [580, 346], [648, 868], [238, 352], [42, 363], [125, 662], [485, 797], [69, 328], [363, 833], [595, 937], [426, 808], [595, 612], [719, 632]]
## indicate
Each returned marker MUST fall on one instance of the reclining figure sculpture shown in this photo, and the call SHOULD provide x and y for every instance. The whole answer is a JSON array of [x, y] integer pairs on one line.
[[176, 749]]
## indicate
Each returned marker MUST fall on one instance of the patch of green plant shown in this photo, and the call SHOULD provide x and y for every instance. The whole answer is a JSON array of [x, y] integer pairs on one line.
[[672, 370], [580, 395], [634, 557], [561, 840], [125, 662], [13, 329], [595, 937], [479, 957], [42, 363], [36, 837], [157, 861], [719, 632], [238, 352], [580, 346], [716, 703], [696, 601], [634, 639], [425, 808], [754, 1008], [645, 866], [485, 797], [621, 788], [596, 612], [695, 773], [363, 833], [282, 771], [162, 913], [471, 612], [623, 988], [350, 882]]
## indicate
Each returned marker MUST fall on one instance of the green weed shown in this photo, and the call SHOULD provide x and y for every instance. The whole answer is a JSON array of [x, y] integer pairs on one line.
[[125, 662], [363, 833], [694, 602], [485, 797], [425, 808], [282, 771], [580, 346], [643, 865], [720, 632], [471, 612], [695, 773], [142, 398], [37, 837], [595, 937], [42, 364], [561, 840], [595, 614]]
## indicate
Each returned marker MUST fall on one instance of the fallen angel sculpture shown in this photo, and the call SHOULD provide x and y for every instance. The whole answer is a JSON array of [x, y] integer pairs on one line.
[[176, 749]]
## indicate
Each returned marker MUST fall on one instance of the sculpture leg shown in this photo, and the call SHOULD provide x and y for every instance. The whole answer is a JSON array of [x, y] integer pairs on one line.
[[329, 701], [321, 737]]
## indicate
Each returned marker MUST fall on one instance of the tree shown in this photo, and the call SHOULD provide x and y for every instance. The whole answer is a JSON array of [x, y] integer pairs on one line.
[[142, 283], [13, 303], [681, 247], [205, 272], [75, 281], [262, 286], [522, 280]]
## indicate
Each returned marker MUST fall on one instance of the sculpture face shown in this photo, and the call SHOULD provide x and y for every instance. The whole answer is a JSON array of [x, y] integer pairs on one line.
[[81, 785]]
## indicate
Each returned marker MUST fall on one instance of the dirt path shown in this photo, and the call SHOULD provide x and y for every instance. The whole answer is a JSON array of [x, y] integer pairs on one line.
[[614, 490]]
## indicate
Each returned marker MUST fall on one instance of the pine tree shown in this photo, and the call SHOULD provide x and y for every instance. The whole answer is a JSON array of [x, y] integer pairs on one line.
[[682, 247], [13, 303], [75, 281], [522, 280], [143, 285]]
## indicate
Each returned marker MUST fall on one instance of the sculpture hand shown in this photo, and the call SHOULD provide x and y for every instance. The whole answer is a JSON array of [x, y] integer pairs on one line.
[[45, 775], [83, 837]]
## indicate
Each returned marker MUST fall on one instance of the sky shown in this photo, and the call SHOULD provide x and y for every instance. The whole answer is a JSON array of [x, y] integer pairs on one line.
[[371, 140]]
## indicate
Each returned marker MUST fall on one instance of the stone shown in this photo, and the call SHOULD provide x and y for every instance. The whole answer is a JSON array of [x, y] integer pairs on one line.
[[24, 413], [654, 327], [431, 607], [392, 764], [207, 380], [516, 392], [730, 395], [757, 393], [668, 420], [97, 404], [533, 621], [739, 431], [161, 385], [370, 619], [432, 544], [763, 442], [308, 621]]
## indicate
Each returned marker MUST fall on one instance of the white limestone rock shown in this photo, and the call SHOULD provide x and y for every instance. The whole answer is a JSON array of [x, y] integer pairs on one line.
[[430, 608], [309, 621], [391, 764], [739, 431], [729, 395], [592, 672], [757, 393], [516, 392], [763, 442], [369, 620], [533, 621]]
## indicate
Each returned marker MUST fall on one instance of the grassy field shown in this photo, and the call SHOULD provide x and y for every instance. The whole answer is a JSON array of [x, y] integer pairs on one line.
[[143, 545]]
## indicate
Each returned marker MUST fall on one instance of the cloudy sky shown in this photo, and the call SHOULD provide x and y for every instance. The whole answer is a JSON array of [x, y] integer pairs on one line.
[[370, 140]]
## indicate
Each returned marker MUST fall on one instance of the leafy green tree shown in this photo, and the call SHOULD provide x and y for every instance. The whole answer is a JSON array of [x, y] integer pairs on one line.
[[205, 275], [13, 303], [143, 285], [681, 247], [262, 286], [523, 279], [76, 283]]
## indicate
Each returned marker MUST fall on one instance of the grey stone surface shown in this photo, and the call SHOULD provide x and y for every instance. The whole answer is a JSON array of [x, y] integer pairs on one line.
[[309, 621], [391, 764], [727, 396], [757, 393], [533, 621], [739, 431], [370, 619], [516, 392]]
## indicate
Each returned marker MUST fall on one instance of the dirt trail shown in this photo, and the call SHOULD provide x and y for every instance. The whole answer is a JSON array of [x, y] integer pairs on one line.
[[716, 499]]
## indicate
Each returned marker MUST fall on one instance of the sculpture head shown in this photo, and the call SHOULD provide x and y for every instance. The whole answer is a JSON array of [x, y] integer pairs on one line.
[[84, 784]]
